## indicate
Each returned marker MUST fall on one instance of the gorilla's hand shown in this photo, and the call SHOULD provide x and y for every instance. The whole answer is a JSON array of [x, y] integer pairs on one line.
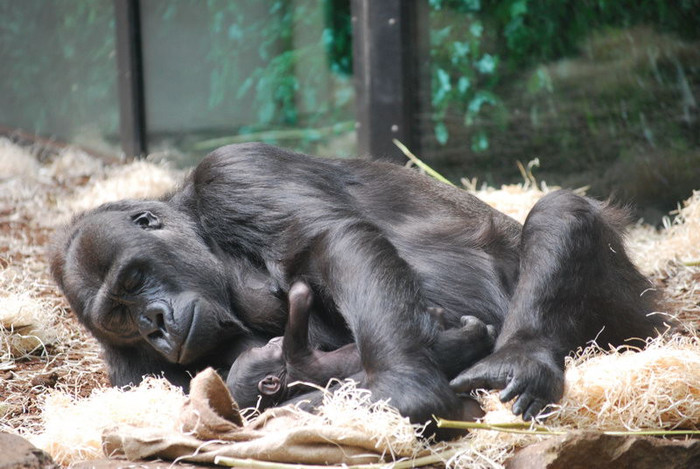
[[532, 375]]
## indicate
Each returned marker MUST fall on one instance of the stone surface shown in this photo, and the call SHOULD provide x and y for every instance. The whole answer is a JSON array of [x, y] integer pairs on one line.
[[18, 453], [580, 450]]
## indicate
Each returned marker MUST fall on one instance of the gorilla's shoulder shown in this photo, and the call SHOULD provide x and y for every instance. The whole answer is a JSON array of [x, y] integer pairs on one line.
[[254, 153], [261, 165]]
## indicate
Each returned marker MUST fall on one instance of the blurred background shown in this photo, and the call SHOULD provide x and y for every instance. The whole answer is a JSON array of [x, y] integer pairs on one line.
[[601, 93]]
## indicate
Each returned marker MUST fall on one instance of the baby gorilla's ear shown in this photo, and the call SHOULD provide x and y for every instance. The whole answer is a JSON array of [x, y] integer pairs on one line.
[[269, 385]]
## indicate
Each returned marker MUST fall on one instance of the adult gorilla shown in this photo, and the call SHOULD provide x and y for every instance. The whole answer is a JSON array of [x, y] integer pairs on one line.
[[173, 285]]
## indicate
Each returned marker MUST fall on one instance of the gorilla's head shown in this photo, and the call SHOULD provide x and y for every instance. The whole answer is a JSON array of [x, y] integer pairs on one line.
[[140, 272]]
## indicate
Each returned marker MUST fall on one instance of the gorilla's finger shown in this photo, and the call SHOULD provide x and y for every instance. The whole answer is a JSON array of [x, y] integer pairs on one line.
[[491, 330], [476, 377], [515, 386], [470, 321], [534, 409], [522, 403], [472, 326]]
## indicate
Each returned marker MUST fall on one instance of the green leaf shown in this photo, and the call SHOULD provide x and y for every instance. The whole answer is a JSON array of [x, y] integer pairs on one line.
[[441, 133], [266, 112], [245, 87], [463, 85], [518, 8], [435, 4], [480, 142], [476, 29], [487, 64], [481, 98], [235, 32], [443, 80], [461, 49], [437, 37]]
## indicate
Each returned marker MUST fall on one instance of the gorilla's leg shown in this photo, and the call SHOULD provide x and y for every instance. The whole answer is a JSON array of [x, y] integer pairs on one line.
[[576, 284]]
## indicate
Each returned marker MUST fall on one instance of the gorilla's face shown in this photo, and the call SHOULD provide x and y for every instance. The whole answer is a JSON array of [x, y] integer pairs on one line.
[[258, 376], [140, 273]]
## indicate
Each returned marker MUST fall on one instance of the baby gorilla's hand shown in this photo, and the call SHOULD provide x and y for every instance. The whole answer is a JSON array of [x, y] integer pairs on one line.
[[458, 348]]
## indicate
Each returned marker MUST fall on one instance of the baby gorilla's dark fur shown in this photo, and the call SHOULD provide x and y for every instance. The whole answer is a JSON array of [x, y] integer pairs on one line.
[[261, 376]]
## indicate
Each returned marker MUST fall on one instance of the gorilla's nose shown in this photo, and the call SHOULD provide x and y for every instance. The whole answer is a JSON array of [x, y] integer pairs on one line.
[[154, 325], [153, 318]]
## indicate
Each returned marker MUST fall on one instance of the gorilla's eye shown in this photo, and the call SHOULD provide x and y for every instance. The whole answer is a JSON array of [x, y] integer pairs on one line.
[[133, 280], [147, 221]]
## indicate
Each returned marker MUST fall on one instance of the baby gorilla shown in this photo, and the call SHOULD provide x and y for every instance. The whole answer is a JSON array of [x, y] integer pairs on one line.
[[262, 375]]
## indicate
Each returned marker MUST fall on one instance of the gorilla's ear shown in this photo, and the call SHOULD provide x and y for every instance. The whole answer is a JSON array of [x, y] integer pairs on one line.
[[147, 220], [269, 385]]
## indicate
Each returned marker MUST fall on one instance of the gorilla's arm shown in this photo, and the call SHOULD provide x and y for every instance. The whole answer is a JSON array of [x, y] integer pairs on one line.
[[301, 361], [379, 296]]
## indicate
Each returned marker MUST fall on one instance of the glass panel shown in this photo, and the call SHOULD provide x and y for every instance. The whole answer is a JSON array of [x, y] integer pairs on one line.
[[225, 72], [603, 93], [59, 71]]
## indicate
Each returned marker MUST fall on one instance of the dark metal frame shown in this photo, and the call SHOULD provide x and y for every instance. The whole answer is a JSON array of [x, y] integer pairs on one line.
[[384, 55], [132, 117]]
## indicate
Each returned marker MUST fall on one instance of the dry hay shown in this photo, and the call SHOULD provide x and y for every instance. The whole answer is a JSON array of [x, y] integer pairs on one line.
[[40, 339], [27, 325], [620, 390], [137, 180], [72, 429], [657, 388], [679, 241], [350, 407], [41, 344]]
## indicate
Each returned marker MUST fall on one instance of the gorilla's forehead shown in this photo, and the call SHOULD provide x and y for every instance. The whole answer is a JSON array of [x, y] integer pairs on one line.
[[99, 242]]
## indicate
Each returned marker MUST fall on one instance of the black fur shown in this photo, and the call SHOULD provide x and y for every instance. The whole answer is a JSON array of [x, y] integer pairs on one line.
[[174, 285], [261, 376]]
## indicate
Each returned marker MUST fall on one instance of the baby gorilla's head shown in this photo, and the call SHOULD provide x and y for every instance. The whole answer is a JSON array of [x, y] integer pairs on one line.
[[259, 373]]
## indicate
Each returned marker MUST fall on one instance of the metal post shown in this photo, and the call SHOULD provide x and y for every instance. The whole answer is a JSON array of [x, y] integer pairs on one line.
[[132, 121], [384, 74]]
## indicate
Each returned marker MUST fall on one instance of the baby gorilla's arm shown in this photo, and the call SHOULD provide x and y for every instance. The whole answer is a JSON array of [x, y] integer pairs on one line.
[[455, 350], [267, 371], [304, 363]]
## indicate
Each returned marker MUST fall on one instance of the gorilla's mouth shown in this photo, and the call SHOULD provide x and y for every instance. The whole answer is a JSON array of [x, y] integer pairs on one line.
[[187, 351], [157, 335]]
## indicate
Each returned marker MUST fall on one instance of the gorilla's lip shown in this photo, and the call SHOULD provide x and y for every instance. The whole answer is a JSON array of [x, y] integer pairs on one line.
[[184, 354]]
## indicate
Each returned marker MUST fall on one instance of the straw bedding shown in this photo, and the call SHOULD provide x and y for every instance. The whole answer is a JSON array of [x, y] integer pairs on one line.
[[53, 385]]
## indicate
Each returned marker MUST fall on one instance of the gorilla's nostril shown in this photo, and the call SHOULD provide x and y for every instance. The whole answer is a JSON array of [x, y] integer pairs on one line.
[[159, 321], [155, 314], [156, 335]]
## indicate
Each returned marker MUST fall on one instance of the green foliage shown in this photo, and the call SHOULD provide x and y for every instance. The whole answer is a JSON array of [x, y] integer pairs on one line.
[[475, 44], [298, 64], [463, 72]]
